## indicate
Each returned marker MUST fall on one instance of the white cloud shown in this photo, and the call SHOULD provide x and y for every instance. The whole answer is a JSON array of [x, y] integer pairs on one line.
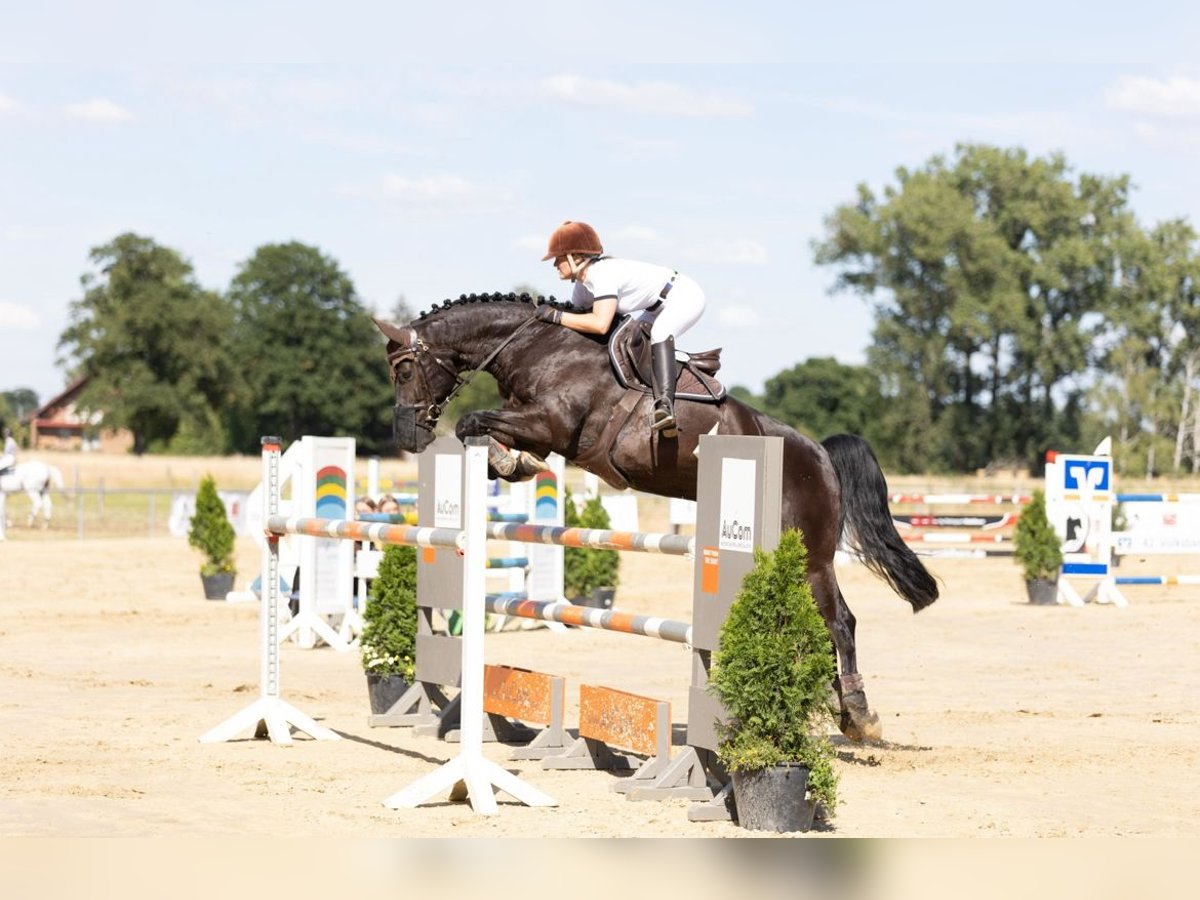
[[532, 242], [8, 105], [25, 232], [737, 316], [1169, 98], [658, 97], [446, 192], [738, 252], [100, 110], [15, 317], [637, 233]]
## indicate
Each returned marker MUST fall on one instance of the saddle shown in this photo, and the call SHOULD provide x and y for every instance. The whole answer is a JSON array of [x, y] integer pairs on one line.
[[629, 352]]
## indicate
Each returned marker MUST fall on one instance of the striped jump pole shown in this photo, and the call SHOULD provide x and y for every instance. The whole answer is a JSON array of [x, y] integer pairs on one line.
[[587, 617], [594, 538], [960, 499], [956, 538], [377, 532], [1158, 498], [1158, 579]]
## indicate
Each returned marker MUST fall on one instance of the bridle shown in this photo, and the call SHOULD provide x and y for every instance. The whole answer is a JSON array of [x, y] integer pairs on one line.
[[414, 348]]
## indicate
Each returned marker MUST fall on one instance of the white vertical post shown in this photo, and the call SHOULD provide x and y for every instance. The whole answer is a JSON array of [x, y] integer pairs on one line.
[[470, 773], [269, 715]]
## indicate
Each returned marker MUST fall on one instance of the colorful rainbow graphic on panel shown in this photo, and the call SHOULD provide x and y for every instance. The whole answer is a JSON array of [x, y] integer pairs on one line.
[[545, 496], [331, 493]]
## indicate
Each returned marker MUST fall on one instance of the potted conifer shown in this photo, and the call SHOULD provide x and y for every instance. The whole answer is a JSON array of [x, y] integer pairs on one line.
[[1037, 548], [389, 638], [772, 672], [210, 532], [589, 576]]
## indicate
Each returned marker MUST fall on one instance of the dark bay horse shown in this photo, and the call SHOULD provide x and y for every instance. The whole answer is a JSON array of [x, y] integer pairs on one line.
[[560, 396]]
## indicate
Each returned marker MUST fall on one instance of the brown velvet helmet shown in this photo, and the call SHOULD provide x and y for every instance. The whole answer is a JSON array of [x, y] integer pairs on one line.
[[574, 237]]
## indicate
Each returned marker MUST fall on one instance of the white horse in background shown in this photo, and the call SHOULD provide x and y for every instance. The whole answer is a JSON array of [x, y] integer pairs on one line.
[[35, 479]]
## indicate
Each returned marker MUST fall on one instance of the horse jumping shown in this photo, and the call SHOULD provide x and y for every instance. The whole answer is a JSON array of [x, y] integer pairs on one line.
[[560, 396]]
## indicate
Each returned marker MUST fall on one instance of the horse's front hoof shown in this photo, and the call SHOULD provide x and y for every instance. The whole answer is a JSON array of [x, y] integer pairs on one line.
[[859, 723], [530, 464]]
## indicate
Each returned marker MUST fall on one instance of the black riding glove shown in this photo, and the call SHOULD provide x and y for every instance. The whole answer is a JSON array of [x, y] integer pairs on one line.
[[548, 313]]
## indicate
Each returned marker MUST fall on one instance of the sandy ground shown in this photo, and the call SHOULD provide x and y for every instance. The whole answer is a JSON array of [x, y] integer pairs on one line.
[[1000, 718]]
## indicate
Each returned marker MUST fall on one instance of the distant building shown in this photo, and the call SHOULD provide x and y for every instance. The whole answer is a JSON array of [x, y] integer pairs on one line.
[[60, 425]]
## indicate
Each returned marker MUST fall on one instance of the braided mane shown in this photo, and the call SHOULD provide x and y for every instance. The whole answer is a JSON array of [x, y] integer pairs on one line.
[[465, 299]]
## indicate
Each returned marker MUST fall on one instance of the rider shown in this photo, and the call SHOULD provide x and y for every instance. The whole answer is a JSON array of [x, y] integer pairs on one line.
[[605, 286], [9, 457]]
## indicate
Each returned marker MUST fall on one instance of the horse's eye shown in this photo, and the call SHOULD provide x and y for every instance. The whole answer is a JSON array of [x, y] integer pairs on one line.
[[404, 371]]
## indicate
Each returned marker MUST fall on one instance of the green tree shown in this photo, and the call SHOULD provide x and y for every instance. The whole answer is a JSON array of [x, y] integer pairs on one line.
[[209, 530], [586, 570], [1148, 365], [152, 343], [312, 359], [821, 396], [988, 272], [773, 669], [19, 403]]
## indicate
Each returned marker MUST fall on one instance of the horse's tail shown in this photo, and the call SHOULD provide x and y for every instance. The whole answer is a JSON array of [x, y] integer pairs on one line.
[[867, 522], [56, 478]]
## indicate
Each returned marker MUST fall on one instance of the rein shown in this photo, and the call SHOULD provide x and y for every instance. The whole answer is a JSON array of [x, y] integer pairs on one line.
[[434, 411]]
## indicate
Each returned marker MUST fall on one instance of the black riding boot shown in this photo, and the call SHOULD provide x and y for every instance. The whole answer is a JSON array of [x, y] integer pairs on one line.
[[662, 358]]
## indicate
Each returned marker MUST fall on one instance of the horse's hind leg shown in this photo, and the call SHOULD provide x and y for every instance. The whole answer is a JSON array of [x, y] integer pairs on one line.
[[858, 722]]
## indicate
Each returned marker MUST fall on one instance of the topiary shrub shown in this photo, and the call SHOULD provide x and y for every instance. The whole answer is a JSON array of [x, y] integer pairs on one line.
[[773, 670], [586, 570], [209, 531], [389, 638], [1037, 547]]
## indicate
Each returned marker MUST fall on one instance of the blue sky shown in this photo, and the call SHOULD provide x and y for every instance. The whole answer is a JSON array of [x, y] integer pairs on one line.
[[430, 152]]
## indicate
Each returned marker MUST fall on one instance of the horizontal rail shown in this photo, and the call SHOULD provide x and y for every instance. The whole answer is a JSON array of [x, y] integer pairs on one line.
[[960, 499], [596, 539], [1158, 498], [1158, 579], [343, 529], [590, 617]]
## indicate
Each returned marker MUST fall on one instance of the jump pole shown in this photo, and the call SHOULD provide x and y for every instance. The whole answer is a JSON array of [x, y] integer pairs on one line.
[[270, 715]]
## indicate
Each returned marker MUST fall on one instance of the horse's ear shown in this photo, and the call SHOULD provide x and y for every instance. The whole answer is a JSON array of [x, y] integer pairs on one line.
[[390, 331]]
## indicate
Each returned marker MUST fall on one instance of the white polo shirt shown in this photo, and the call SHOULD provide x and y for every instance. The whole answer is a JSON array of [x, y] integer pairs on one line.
[[636, 285]]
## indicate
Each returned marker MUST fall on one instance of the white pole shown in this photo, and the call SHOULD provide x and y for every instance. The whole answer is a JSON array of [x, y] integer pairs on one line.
[[470, 771], [270, 715]]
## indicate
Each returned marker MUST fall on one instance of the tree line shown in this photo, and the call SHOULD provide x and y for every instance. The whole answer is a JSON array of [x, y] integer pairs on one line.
[[1018, 306]]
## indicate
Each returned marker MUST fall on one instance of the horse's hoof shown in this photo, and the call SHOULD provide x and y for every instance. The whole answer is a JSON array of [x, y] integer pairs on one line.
[[859, 723], [529, 464]]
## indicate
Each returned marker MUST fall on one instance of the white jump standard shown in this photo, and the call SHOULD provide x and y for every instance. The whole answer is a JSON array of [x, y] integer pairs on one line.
[[269, 716]]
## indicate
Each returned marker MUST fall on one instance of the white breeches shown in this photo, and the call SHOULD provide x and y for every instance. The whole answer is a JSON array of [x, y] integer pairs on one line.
[[682, 309]]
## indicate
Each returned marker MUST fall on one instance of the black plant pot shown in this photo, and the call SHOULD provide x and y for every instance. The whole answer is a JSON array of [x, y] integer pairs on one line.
[[1042, 591], [217, 586], [774, 799], [601, 598], [384, 691]]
